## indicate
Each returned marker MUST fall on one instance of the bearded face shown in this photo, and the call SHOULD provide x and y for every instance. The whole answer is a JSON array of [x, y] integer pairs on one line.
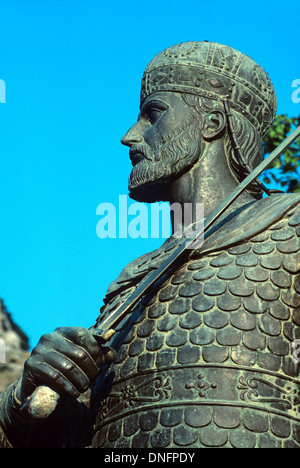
[[165, 141]]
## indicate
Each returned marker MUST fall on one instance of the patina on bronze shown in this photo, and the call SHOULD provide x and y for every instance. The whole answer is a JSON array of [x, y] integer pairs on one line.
[[44, 400], [205, 360]]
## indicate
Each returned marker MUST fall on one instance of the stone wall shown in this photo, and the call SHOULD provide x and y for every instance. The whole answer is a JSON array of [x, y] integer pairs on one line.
[[14, 348]]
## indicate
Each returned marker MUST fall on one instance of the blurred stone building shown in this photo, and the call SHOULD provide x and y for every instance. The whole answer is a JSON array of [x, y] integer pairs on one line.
[[14, 348]]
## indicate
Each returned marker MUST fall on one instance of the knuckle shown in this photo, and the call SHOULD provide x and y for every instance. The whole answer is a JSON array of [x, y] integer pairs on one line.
[[81, 332], [37, 351], [65, 332], [45, 339], [61, 331], [74, 334], [81, 354], [67, 366], [28, 364]]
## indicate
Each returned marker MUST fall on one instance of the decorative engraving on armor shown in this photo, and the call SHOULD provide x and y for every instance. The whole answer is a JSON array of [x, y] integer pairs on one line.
[[288, 395], [129, 395], [201, 386]]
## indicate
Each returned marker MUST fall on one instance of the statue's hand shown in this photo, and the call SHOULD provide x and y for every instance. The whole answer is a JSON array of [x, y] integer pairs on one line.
[[67, 361]]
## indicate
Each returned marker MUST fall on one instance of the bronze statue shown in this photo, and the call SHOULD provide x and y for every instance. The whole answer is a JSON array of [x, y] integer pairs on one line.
[[206, 359]]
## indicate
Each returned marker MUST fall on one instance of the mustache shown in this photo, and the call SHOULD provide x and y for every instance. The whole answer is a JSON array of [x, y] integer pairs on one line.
[[140, 153]]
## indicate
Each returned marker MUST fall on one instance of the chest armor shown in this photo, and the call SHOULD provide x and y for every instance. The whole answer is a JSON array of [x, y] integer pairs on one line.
[[209, 360]]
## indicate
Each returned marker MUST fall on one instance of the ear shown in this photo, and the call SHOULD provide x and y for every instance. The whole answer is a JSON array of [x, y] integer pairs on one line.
[[214, 125]]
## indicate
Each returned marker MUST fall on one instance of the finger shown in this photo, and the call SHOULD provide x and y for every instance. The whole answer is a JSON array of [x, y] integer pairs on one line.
[[109, 354], [83, 338], [67, 368], [80, 336], [51, 377], [74, 352]]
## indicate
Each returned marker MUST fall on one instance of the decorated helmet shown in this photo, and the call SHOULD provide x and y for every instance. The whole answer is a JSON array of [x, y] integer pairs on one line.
[[218, 72]]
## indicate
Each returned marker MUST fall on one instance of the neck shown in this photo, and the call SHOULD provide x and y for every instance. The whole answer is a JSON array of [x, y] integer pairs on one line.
[[207, 184]]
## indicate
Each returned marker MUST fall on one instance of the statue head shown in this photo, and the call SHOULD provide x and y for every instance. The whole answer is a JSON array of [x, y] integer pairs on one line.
[[182, 88]]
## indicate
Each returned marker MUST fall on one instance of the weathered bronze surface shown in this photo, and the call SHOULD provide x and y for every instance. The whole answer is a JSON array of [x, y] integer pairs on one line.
[[205, 360]]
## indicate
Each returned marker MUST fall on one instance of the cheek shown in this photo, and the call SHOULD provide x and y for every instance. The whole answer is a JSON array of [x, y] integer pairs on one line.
[[173, 120], [154, 136], [157, 134]]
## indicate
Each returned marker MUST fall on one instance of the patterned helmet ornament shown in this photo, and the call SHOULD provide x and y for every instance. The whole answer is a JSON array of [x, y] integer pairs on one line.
[[217, 72]]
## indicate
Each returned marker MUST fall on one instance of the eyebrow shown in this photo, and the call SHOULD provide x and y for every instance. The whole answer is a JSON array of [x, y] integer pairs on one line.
[[160, 104]]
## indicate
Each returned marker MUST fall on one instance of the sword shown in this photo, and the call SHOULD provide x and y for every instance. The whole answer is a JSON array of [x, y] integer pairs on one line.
[[44, 400]]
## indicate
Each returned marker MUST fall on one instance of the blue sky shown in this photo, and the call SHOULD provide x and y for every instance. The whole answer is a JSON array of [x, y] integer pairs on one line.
[[72, 71]]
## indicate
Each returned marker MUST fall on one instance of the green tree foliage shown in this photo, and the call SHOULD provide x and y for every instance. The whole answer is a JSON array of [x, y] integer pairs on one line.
[[284, 173]]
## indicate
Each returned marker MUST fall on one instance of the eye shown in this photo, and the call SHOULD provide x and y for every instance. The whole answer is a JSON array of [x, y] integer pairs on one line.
[[154, 114], [153, 110]]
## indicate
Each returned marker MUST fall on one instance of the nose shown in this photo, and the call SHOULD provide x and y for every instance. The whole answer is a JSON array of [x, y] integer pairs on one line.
[[133, 136]]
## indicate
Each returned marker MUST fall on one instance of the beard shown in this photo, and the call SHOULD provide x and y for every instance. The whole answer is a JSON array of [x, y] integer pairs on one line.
[[174, 154]]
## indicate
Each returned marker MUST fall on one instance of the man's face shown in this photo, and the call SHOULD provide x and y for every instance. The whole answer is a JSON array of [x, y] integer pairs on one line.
[[165, 141]]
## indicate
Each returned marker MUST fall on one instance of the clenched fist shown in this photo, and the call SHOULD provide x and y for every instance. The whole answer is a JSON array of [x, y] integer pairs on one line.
[[67, 361]]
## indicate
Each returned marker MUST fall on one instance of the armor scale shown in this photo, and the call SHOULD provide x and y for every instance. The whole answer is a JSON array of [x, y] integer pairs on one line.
[[208, 361]]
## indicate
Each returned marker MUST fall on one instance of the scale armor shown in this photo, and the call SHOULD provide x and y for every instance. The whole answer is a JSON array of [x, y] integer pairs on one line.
[[209, 360]]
